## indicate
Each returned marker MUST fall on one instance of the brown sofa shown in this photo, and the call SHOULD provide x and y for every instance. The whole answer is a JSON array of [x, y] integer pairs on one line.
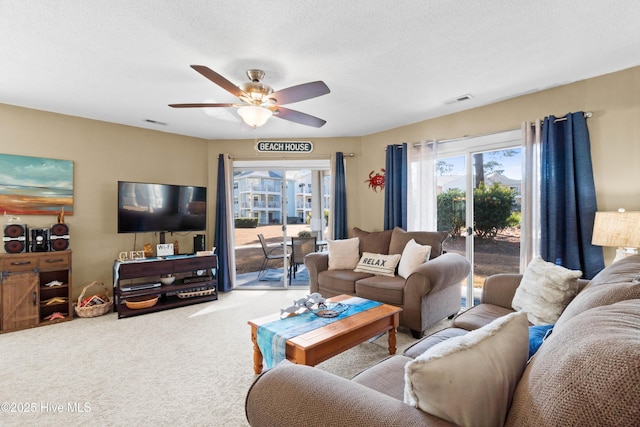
[[586, 373], [428, 295]]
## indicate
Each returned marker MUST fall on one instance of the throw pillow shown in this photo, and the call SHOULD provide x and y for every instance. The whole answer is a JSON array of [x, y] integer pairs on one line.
[[469, 380], [537, 334], [400, 238], [343, 254], [412, 257], [378, 264], [545, 291], [376, 242]]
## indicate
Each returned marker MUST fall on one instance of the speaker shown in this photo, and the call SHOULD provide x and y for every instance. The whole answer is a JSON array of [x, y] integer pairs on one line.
[[199, 243], [39, 238], [59, 237], [16, 238]]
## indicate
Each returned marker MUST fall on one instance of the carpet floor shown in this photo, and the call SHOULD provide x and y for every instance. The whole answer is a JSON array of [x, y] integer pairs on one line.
[[186, 366]]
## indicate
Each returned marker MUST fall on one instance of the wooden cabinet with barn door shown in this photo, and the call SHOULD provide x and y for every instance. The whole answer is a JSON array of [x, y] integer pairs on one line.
[[35, 289]]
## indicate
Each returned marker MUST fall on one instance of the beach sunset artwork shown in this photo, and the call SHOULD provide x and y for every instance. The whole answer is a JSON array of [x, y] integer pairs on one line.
[[35, 185]]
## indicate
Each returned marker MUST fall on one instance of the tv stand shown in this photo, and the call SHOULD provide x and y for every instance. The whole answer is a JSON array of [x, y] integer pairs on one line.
[[195, 282]]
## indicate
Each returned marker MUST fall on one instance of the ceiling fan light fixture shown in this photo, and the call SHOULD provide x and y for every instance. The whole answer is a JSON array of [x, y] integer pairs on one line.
[[254, 116]]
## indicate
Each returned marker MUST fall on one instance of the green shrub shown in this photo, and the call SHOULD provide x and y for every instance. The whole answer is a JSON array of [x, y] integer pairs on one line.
[[492, 209], [514, 219], [451, 211], [245, 222]]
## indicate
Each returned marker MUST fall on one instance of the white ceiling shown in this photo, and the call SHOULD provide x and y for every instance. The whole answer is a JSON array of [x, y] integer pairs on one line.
[[388, 63]]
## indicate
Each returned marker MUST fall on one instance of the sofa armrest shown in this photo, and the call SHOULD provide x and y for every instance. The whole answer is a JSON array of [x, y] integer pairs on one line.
[[316, 263], [298, 395], [439, 273], [499, 289]]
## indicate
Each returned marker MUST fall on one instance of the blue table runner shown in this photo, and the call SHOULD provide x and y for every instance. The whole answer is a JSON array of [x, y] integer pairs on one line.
[[272, 337]]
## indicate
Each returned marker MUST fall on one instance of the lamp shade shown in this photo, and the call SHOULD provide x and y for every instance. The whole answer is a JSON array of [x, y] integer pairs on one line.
[[617, 229], [254, 115]]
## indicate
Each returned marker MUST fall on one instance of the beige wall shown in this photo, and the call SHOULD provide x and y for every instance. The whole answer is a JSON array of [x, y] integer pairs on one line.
[[104, 153], [614, 131]]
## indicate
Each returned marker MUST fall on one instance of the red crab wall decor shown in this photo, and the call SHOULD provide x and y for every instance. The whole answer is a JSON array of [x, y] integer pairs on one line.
[[376, 180]]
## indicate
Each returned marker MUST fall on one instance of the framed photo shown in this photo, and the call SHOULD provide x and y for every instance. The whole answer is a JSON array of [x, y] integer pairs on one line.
[[35, 185]]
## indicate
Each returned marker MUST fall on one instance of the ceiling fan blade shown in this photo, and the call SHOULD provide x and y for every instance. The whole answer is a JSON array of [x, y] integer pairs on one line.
[[202, 105], [297, 116], [300, 92], [219, 80]]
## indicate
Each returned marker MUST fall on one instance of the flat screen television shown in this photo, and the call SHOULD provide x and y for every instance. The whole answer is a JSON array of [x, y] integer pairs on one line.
[[145, 207]]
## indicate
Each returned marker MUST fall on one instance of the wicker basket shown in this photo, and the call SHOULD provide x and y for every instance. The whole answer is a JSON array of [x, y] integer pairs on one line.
[[94, 310], [136, 303]]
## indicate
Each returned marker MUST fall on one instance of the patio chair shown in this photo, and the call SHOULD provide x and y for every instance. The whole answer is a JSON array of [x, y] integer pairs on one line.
[[300, 247], [270, 252]]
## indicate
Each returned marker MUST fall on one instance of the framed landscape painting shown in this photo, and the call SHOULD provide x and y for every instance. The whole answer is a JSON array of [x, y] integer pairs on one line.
[[35, 185]]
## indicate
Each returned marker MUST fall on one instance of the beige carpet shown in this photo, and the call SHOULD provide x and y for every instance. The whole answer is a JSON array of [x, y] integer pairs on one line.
[[186, 366]]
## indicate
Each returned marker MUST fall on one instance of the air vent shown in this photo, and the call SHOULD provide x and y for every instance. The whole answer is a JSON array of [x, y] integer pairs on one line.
[[460, 98]]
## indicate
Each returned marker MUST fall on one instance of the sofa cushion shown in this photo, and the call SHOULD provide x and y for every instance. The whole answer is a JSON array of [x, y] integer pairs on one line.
[[400, 238], [587, 373], [343, 254], [378, 264], [419, 347], [479, 316], [338, 282], [469, 380], [545, 291], [376, 242], [599, 295], [385, 376], [413, 255], [389, 290]]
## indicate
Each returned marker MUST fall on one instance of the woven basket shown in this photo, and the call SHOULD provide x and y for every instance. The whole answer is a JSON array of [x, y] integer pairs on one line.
[[94, 310]]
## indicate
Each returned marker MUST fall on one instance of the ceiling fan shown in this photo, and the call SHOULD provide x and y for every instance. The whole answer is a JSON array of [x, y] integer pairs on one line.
[[259, 101]]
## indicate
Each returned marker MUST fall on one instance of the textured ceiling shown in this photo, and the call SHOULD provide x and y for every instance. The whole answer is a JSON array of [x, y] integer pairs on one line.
[[387, 63]]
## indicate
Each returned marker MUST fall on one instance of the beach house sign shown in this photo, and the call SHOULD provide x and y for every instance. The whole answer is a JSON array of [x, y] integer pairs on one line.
[[284, 147]]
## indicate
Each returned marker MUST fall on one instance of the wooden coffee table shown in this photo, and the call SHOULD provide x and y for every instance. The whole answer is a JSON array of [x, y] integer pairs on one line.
[[323, 343]]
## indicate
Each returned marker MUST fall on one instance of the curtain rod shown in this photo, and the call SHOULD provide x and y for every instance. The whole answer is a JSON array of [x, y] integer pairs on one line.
[[587, 115], [460, 138], [278, 157]]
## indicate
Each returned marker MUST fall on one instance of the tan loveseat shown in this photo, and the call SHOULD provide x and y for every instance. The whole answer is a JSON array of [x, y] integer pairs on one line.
[[428, 295], [586, 373]]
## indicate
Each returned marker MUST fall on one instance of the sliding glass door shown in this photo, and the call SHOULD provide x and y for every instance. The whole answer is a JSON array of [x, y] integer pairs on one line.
[[274, 201], [478, 203]]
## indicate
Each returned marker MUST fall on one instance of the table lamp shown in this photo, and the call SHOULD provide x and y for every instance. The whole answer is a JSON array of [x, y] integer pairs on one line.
[[619, 229]]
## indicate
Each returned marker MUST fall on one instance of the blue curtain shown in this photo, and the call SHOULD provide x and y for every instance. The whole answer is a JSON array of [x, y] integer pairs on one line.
[[568, 196], [340, 199], [395, 185], [221, 239]]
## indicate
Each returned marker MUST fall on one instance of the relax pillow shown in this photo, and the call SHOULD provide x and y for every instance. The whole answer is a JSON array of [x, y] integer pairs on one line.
[[343, 254], [378, 264], [469, 379], [545, 290], [413, 256]]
